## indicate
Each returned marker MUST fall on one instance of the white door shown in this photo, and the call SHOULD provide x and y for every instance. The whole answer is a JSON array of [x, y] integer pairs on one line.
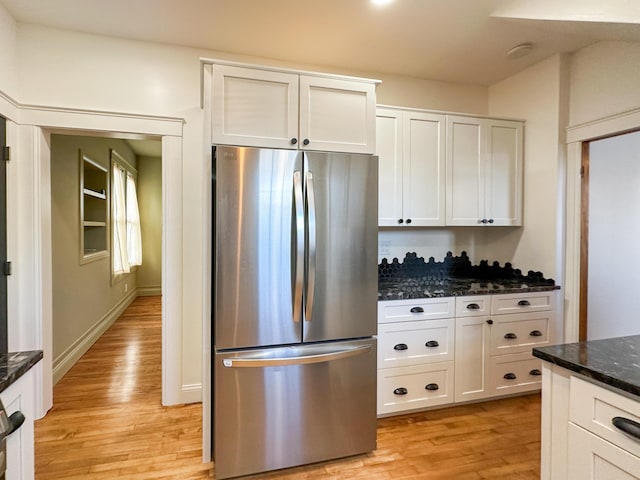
[[471, 342], [253, 107], [465, 188], [503, 172], [337, 115], [390, 174], [424, 169]]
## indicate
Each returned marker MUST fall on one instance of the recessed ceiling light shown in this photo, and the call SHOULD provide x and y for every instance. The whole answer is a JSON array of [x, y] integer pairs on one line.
[[381, 2]]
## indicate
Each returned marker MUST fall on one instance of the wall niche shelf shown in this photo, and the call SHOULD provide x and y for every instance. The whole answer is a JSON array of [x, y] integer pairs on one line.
[[94, 210]]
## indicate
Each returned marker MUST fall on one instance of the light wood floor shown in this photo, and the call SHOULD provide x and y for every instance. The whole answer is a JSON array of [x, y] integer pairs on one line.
[[107, 423]]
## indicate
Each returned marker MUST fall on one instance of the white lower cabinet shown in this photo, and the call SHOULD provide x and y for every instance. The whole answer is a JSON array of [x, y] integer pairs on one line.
[[579, 438], [472, 348], [20, 444]]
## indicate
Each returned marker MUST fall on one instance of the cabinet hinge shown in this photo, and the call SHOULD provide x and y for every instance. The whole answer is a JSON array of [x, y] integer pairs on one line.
[[582, 171], [5, 152], [7, 268]]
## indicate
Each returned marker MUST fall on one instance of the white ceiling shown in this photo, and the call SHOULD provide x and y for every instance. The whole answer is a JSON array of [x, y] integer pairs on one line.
[[462, 41]]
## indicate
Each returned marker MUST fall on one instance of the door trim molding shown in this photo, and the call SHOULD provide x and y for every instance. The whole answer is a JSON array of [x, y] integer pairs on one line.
[[578, 135]]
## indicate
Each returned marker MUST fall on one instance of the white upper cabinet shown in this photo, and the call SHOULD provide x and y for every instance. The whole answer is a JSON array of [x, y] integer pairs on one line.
[[410, 147], [287, 109], [484, 171]]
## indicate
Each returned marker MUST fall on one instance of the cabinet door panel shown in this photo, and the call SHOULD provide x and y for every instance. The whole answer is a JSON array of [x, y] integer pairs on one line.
[[337, 115], [471, 381], [389, 151], [424, 169], [503, 172], [465, 190], [254, 107], [592, 458]]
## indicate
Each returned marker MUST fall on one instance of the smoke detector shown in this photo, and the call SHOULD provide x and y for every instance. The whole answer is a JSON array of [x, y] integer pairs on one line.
[[520, 50]]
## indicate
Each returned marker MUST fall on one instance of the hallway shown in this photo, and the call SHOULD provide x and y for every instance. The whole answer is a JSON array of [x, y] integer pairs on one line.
[[107, 420]]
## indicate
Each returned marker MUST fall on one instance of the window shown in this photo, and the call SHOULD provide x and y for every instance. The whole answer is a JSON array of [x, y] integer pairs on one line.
[[126, 237]]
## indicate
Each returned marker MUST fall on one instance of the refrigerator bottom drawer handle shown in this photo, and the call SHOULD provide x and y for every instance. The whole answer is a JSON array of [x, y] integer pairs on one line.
[[299, 360]]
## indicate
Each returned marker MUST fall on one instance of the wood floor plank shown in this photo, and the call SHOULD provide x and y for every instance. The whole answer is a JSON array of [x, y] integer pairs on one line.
[[108, 423]]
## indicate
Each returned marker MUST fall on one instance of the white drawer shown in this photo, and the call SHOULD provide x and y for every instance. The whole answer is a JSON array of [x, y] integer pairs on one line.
[[518, 333], [410, 343], [522, 302], [418, 309], [473, 306], [414, 387], [594, 407], [515, 373]]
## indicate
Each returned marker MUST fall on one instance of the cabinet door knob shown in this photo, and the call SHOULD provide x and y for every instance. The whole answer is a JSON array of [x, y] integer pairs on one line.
[[510, 336], [400, 220], [484, 220], [408, 220], [627, 425], [431, 386], [294, 140], [400, 391], [490, 322], [400, 346], [535, 333], [509, 376], [473, 306], [524, 303], [432, 344], [535, 372], [417, 310], [305, 141], [490, 220]]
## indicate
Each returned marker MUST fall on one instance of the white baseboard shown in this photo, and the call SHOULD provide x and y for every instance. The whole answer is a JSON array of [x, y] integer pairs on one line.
[[191, 393], [67, 359], [149, 291]]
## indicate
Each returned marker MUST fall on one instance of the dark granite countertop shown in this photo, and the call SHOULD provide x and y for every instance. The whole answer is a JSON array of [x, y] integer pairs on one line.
[[613, 361], [407, 289], [15, 364]]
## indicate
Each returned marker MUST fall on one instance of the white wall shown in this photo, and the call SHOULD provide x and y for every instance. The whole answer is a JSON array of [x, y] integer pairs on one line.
[[604, 81], [8, 33], [539, 94], [614, 229]]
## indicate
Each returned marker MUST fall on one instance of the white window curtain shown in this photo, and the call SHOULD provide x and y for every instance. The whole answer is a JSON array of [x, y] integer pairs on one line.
[[134, 237], [120, 257]]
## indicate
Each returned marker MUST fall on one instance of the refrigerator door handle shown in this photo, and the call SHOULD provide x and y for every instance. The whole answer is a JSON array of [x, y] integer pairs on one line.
[[311, 252], [298, 200], [301, 360]]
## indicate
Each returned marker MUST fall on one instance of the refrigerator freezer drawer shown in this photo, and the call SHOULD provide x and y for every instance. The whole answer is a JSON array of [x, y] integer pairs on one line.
[[272, 412]]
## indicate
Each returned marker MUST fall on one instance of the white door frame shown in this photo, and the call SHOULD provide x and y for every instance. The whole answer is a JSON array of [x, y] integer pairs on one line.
[[29, 189], [576, 136]]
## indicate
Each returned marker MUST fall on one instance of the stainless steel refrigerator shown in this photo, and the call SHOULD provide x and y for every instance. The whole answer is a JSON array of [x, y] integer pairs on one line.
[[294, 307]]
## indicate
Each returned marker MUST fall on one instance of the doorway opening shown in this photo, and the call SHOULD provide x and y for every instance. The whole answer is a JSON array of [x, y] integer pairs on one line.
[[610, 225]]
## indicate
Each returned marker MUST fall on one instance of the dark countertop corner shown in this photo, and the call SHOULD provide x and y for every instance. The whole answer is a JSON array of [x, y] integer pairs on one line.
[[613, 361], [15, 364]]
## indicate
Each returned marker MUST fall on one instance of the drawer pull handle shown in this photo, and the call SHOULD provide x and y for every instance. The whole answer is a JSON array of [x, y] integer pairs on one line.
[[417, 310], [535, 372], [432, 344], [432, 386], [400, 391], [509, 376], [510, 336], [490, 322], [524, 303], [400, 346], [535, 333], [627, 426], [473, 306]]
